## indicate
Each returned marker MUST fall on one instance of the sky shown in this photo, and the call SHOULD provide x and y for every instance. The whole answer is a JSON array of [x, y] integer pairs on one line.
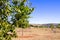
[[45, 11]]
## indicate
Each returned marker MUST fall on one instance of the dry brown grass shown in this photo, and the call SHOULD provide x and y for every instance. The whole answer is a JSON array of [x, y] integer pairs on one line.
[[37, 34]]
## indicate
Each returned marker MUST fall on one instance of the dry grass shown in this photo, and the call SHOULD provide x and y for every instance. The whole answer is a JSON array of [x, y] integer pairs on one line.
[[37, 34]]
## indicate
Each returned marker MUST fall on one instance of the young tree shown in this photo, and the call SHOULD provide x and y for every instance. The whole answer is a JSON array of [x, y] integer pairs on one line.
[[20, 13], [51, 26]]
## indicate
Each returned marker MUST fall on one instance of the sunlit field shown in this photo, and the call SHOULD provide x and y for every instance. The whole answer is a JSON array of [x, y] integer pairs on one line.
[[37, 34]]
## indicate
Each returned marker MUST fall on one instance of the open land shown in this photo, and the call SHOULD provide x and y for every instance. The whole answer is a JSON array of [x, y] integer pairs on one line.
[[37, 34]]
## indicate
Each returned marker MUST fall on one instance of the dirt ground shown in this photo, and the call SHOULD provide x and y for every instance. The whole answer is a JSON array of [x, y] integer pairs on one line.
[[37, 34]]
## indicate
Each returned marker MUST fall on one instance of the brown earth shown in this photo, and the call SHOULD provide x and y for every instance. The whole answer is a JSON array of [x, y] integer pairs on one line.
[[37, 34]]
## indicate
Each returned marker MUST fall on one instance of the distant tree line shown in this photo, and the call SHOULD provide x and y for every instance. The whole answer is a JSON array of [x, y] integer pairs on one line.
[[43, 26]]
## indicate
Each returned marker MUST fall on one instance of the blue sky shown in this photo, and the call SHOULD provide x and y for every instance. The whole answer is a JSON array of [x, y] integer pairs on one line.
[[46, 11]]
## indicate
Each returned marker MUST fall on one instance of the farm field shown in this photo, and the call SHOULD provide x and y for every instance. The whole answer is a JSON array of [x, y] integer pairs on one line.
[[37, 34]]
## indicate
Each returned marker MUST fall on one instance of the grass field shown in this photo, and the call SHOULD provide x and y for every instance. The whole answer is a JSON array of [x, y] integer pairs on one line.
[[37, 34]]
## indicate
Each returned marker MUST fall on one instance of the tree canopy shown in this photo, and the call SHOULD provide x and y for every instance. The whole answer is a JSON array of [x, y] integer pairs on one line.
[[19, 12]]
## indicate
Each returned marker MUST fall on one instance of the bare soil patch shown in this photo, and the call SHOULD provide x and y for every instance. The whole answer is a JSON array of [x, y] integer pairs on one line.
[[37, 34]]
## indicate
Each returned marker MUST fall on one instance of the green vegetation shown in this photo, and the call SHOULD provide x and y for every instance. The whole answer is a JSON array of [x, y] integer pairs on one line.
[[19, 11], [21, 14], [51, 26], [58, 26]]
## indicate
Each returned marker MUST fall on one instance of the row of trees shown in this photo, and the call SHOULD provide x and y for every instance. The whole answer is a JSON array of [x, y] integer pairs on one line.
[[19, 12], [47, 26]]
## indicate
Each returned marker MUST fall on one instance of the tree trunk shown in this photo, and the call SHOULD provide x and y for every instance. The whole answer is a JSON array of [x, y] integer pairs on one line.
[[22, 31]]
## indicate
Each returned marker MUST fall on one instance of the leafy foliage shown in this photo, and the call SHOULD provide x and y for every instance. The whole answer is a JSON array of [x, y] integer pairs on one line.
[[51, 26], [20, 14]]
